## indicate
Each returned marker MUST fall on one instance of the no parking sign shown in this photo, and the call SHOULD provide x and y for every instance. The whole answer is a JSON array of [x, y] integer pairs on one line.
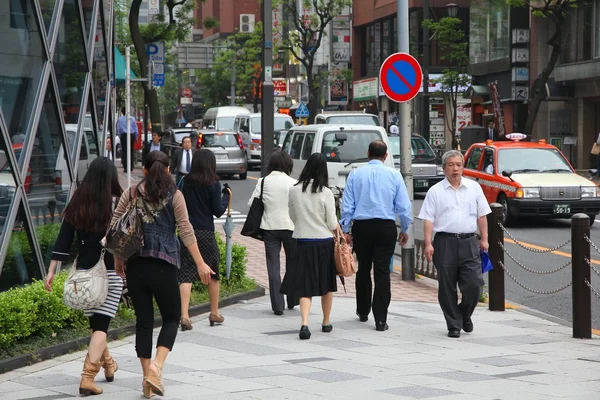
[[401, 77]]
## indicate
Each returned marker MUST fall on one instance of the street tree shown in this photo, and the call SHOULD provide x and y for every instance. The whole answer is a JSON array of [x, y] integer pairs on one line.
[[450, 37], [308, 25], [557, 12]]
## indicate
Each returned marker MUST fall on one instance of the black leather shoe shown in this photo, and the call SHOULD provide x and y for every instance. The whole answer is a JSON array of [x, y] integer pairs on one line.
[[381, 326], [304, 332], [468, 325], [454, 333], [278, 312], [327, 328], [362, 318]]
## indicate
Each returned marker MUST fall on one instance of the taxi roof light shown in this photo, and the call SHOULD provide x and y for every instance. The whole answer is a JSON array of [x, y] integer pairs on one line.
[[542, 141], [516, 137]]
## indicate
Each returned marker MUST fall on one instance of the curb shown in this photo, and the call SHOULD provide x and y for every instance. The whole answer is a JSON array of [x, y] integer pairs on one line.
[[10, 364]]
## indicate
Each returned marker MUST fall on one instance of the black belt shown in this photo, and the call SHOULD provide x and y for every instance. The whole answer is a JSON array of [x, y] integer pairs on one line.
[[456, 235]]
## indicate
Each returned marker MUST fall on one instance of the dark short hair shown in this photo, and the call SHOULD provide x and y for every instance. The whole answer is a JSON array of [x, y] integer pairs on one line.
[[187, 137], [490, 122], [377, 149], [280, 161], [123, 110]]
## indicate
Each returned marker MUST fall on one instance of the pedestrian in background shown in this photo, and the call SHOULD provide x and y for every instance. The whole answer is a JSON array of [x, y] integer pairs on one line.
[[154, 145], [205, 200], [108, 153], [182, 159], [373, 196], [454, 209], [276, 224], [312, 210], [87, 216], [127, 143], [152, 272]]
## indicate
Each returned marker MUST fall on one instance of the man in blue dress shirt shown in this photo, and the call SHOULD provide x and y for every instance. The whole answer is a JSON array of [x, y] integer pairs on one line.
[[373, 196], [127, 143]]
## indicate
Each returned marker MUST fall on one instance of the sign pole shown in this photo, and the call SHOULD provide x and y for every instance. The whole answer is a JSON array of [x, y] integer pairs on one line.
[[408, 250], [267, 107], [129, 143]]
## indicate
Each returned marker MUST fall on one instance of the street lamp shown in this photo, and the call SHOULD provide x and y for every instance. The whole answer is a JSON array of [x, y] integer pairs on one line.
[[452, 10]]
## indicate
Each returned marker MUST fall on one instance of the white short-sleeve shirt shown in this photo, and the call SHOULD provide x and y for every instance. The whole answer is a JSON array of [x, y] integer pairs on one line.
[[454, 210]]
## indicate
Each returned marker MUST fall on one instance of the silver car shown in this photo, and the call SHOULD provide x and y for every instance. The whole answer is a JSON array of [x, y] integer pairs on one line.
[[229, 152]]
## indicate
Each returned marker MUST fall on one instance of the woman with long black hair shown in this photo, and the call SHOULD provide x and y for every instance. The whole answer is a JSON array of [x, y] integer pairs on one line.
[[152, 272], [202, 192], [312, 209], [88, 216]]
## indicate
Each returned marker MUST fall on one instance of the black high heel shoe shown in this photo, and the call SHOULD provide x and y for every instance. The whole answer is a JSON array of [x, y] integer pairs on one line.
[[304, 332], [327, 328]]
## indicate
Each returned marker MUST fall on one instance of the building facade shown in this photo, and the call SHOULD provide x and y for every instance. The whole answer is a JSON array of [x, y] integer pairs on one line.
[[54, 81]]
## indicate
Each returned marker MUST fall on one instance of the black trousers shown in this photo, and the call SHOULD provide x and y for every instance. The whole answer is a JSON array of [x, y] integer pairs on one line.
[[148, 279], [374, 243], [127, 150], [458, 262], [273, 240]]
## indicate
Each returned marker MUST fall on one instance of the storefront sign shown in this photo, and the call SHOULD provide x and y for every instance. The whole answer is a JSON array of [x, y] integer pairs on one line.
[[365, 89], [338, 88], [497, 107], [520, 74], [520, 36], [463, 117], [520, 55], [280, 87], [434, 87], [341, 38], [520, 93]]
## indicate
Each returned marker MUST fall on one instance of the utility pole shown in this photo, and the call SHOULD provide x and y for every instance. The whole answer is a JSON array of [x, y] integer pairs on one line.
[[425, 67], [268, 108], [408, 250], [128, 113], [233, 82]]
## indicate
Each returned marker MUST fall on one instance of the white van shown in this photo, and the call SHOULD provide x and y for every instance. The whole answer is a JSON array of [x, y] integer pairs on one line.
[[344, 146], [88, 153], [347, 117], [249, 127], [222, 118]]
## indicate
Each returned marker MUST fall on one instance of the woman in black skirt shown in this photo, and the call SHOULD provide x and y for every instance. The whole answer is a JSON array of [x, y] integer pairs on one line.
[[312, 209], [202, 192]]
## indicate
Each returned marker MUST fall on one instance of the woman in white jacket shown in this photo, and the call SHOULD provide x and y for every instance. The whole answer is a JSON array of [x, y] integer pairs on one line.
[[276, 224]]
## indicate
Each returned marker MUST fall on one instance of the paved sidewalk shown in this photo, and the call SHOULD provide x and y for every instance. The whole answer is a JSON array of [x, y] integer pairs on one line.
[[257, 355]]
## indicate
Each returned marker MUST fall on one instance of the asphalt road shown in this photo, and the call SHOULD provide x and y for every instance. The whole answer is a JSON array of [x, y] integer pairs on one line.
[[544, 234]]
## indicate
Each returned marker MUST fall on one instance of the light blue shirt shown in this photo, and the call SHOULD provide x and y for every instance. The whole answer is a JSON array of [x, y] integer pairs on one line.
[[122, 125], [375, 192], [154, 147]]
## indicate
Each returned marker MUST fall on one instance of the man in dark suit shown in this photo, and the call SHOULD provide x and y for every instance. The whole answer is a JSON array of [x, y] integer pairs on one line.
[[182, 159], [492, 132], [154, 145]]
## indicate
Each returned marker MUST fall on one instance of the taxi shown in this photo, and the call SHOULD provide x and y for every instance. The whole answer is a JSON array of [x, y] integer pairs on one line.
[[530, 180]]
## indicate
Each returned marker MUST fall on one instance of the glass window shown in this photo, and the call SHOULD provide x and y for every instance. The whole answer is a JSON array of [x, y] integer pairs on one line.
[[100, 74], [353, 119], [296, 146], [377, 46], [244, 126], [488, 161], [22, 57], [416, 32], [489, 37], [47, 7], [20, 265], [531, 160], [225, 123], [474, 157], [308, 145], [91, 140], [420, 150], [354, 147], [88, 12], [287, 142], [386, 39], [218, 140], [279, 123], [70, 62], [83, 154], [8, 184]]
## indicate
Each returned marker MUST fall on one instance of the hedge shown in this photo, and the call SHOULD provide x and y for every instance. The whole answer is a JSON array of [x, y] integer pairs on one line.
[[31, 310]]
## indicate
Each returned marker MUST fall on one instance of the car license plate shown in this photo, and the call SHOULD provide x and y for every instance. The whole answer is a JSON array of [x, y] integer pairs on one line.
[[221, 157], [421, 183], [562, 209]]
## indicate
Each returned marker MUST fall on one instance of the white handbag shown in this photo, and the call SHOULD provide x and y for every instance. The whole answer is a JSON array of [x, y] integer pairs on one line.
[[86, 288]]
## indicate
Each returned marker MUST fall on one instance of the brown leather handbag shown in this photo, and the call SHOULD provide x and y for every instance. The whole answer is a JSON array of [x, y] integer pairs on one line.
[[344, 260]]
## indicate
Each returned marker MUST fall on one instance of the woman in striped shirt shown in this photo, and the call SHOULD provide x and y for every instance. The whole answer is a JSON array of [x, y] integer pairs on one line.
[[88, 216]]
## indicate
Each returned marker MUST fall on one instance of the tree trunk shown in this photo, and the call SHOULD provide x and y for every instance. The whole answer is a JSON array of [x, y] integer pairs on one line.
[[538, 89], [313, 99], [140, 50]]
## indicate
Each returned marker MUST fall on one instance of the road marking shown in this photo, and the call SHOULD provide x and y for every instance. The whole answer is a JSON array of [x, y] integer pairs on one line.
[[236, 216], [253, 178], [556, 252]]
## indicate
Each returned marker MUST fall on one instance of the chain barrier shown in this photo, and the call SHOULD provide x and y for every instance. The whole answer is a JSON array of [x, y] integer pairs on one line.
[[536, 291], [587, 239], [530, 248], [591, 288], [533, 271], [592, 266]]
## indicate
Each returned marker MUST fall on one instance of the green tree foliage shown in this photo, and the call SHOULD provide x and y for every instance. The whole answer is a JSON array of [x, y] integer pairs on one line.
[[240, 52], [307, 30], [450, 37], [557, 12]]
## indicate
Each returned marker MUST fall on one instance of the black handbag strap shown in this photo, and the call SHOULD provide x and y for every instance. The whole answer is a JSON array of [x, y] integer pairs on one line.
[[262, 186]]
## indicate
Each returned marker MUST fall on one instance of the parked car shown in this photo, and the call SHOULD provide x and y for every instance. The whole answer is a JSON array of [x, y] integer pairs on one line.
[[87, 153], [250, 129], [88, 124], [177, 134], [530, 179], [347, 117], [222, 118], [426, 172], [344, 146], [229, 152]]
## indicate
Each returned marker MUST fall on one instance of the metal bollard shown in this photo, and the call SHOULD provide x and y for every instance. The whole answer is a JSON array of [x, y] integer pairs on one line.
[[496, 276], [582, 302]]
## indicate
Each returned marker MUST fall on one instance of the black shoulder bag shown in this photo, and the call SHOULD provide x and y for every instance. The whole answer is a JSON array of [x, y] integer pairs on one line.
[[252, 225]]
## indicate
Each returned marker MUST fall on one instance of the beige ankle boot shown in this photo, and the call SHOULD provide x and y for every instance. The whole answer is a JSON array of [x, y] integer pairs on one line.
[[109, 364], [87, 385]]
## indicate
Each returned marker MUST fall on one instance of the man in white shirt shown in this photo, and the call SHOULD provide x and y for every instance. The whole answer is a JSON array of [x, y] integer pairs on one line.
[[108, 152], [182, 161], [454, 209]]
